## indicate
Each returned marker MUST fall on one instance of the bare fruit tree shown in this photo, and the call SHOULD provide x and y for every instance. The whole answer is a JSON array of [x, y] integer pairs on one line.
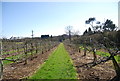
[[69, 31]]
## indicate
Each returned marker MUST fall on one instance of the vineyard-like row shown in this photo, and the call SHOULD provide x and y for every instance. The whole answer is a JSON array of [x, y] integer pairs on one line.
[[87, 52], [100, 50], [23, 50]]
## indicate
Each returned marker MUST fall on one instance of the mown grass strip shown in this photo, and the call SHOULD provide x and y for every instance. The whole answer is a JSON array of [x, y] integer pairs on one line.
[[58, 66]]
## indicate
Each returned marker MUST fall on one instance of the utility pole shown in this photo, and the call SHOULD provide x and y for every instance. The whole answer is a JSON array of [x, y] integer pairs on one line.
[[32, 34]]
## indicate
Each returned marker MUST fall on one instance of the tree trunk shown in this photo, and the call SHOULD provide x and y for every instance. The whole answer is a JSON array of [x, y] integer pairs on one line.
[[116, 66], [79, 50], [70, 36], [94, 55], [85, 50]]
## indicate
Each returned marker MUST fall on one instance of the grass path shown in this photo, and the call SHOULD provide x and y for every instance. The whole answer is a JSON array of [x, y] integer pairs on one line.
[[58, 66]]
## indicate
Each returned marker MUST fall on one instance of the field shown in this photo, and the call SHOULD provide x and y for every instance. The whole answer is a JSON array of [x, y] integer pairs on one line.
[[54, 59]]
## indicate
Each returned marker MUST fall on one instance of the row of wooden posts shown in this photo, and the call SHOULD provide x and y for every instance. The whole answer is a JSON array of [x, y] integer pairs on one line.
[[95, 62], [28, 47]]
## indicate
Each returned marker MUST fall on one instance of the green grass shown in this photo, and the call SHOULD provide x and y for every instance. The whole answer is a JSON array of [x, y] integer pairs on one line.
[[7, 62], [58, 66], [105, 54], [117, 58], [12, 57], [81, 47], [12, 51], [20, 56], [102, 53]]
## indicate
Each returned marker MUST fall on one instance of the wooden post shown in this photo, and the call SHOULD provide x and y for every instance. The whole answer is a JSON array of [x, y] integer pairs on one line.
[[1, 69], [25, 53], [1, 63], [31, 51], [94, 55], [17, 49], [36, 45], [79, 50]]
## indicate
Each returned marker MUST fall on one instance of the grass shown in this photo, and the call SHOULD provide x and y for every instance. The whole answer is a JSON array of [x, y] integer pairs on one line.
[[117, 58], [12, 57], [12, 51], [7, 62], [81, 47], [58, 66], [18, 56], [105, 54]]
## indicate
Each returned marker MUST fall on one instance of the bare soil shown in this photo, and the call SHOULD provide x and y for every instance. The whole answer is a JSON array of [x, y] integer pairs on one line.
[[104, 71], [22, 70]]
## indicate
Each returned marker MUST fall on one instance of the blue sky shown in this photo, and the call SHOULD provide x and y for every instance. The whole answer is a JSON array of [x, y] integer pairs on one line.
[[20, 18]]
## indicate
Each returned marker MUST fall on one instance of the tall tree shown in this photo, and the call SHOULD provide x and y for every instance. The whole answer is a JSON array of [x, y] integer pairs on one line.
[[85, 32], [109, 26], [90, 21], [89, 29]]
